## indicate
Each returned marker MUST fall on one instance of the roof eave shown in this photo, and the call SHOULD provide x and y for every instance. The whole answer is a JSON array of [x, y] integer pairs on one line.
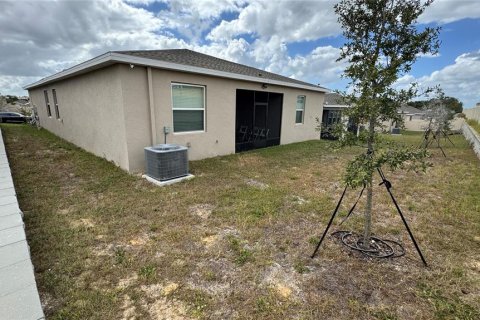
[[113, 57], [336, 106], [77, 69]]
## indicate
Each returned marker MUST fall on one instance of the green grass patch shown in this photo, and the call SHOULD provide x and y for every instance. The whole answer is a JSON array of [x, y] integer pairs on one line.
[[447, 308], [474, 124]]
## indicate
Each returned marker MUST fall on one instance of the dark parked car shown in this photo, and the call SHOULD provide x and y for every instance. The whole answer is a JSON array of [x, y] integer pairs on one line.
[[13, 117]]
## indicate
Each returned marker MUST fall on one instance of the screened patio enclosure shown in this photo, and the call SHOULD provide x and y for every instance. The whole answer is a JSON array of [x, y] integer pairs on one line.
[[330, 118], [258, 119]]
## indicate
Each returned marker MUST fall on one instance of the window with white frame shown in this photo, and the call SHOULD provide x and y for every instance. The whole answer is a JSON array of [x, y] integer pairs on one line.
[[47, 103], [300, 109], [188, 104], [55, 103]]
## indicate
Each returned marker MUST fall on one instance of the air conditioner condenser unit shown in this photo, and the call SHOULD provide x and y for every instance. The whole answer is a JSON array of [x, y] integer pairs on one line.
[[166, 161]]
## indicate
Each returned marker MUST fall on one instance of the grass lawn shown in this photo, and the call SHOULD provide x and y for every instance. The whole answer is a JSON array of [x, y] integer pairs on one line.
[[234, 243], [474, 124]]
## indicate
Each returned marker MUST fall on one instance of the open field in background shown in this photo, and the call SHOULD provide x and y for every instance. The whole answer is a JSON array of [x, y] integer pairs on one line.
[[234, 243]]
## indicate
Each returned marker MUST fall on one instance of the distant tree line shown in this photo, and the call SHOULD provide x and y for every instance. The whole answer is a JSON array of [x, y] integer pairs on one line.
[[450, 102], [11, 99], [8, 99]]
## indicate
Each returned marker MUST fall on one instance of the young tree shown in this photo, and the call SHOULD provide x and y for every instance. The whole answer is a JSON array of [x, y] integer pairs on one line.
[[382, 43], [438, 114]]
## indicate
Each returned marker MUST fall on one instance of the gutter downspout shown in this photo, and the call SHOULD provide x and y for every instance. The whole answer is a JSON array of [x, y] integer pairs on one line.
[[151, 104]]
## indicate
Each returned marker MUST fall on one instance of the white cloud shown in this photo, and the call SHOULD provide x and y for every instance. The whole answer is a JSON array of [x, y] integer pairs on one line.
[[13, 84], [445, 11], [319, 66], [193, 18], [459, 80], [68, 33], [428, 55], [205, 8], [288, 20]]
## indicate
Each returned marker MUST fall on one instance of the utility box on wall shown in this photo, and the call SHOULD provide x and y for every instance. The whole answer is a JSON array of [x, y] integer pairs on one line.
[[166, 161]]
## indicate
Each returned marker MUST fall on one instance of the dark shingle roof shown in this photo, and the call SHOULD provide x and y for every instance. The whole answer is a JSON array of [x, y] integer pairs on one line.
[[196, 59], [334, 99], [410, 110]]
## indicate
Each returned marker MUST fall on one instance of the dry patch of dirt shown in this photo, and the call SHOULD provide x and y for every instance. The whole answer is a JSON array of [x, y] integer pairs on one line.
[[214, 240], [249, 160], [163, 307], [282, 281], [178, 263], [157, 290], [257, 184], [475, 265], [299, 200], [65, 211], [202, 210], [128, 309], [104, 250], [211, 279], [170, 288], [209, 241], [167, 309], [283, 291], [83, 223], [153, 290], [109, 249], [128, 281], [139, 240]]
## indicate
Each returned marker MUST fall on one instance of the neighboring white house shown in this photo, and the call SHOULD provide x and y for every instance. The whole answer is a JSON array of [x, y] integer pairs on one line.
[[334, 108], [413, 119]]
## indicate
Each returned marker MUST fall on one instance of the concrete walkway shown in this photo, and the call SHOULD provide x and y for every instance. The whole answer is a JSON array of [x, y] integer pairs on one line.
[[19, 298]]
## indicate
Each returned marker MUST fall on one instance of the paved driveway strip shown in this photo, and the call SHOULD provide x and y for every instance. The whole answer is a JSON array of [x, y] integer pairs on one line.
[[19, 298]]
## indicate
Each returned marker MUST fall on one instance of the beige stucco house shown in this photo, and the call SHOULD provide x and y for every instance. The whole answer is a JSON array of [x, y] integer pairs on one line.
[[413, 119], [116, 104]]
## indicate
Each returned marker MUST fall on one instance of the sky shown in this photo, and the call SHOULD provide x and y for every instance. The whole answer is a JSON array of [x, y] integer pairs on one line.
[[298, 39]]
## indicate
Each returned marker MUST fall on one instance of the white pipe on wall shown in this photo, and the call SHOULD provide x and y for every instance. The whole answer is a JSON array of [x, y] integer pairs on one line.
[[153, 126]]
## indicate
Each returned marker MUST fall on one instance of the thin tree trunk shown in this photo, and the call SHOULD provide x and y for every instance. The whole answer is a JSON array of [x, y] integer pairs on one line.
[[368, 217], [368, 206]]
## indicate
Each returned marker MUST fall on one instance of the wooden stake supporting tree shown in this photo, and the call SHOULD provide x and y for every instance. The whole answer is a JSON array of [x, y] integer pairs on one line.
[[382, 44]]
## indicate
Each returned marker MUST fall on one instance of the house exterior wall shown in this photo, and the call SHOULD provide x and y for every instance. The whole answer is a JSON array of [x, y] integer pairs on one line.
[[91, 113], [107, 112], [220, 109], [415, 124]]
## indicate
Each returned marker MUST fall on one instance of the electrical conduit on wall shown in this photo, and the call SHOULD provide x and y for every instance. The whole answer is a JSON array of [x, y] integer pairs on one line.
[[151, 104]]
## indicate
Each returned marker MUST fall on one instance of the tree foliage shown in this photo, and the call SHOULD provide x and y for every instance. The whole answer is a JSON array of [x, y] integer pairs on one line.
[[437, 113], [453, 104], [382, 43], [450, 102], [11, 99]]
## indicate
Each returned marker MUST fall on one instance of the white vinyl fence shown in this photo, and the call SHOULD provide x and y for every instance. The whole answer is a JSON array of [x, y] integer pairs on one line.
[[473, 137], [473, 113]]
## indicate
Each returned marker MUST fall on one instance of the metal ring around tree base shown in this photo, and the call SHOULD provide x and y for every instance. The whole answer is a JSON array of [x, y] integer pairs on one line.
[[378, 248]]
